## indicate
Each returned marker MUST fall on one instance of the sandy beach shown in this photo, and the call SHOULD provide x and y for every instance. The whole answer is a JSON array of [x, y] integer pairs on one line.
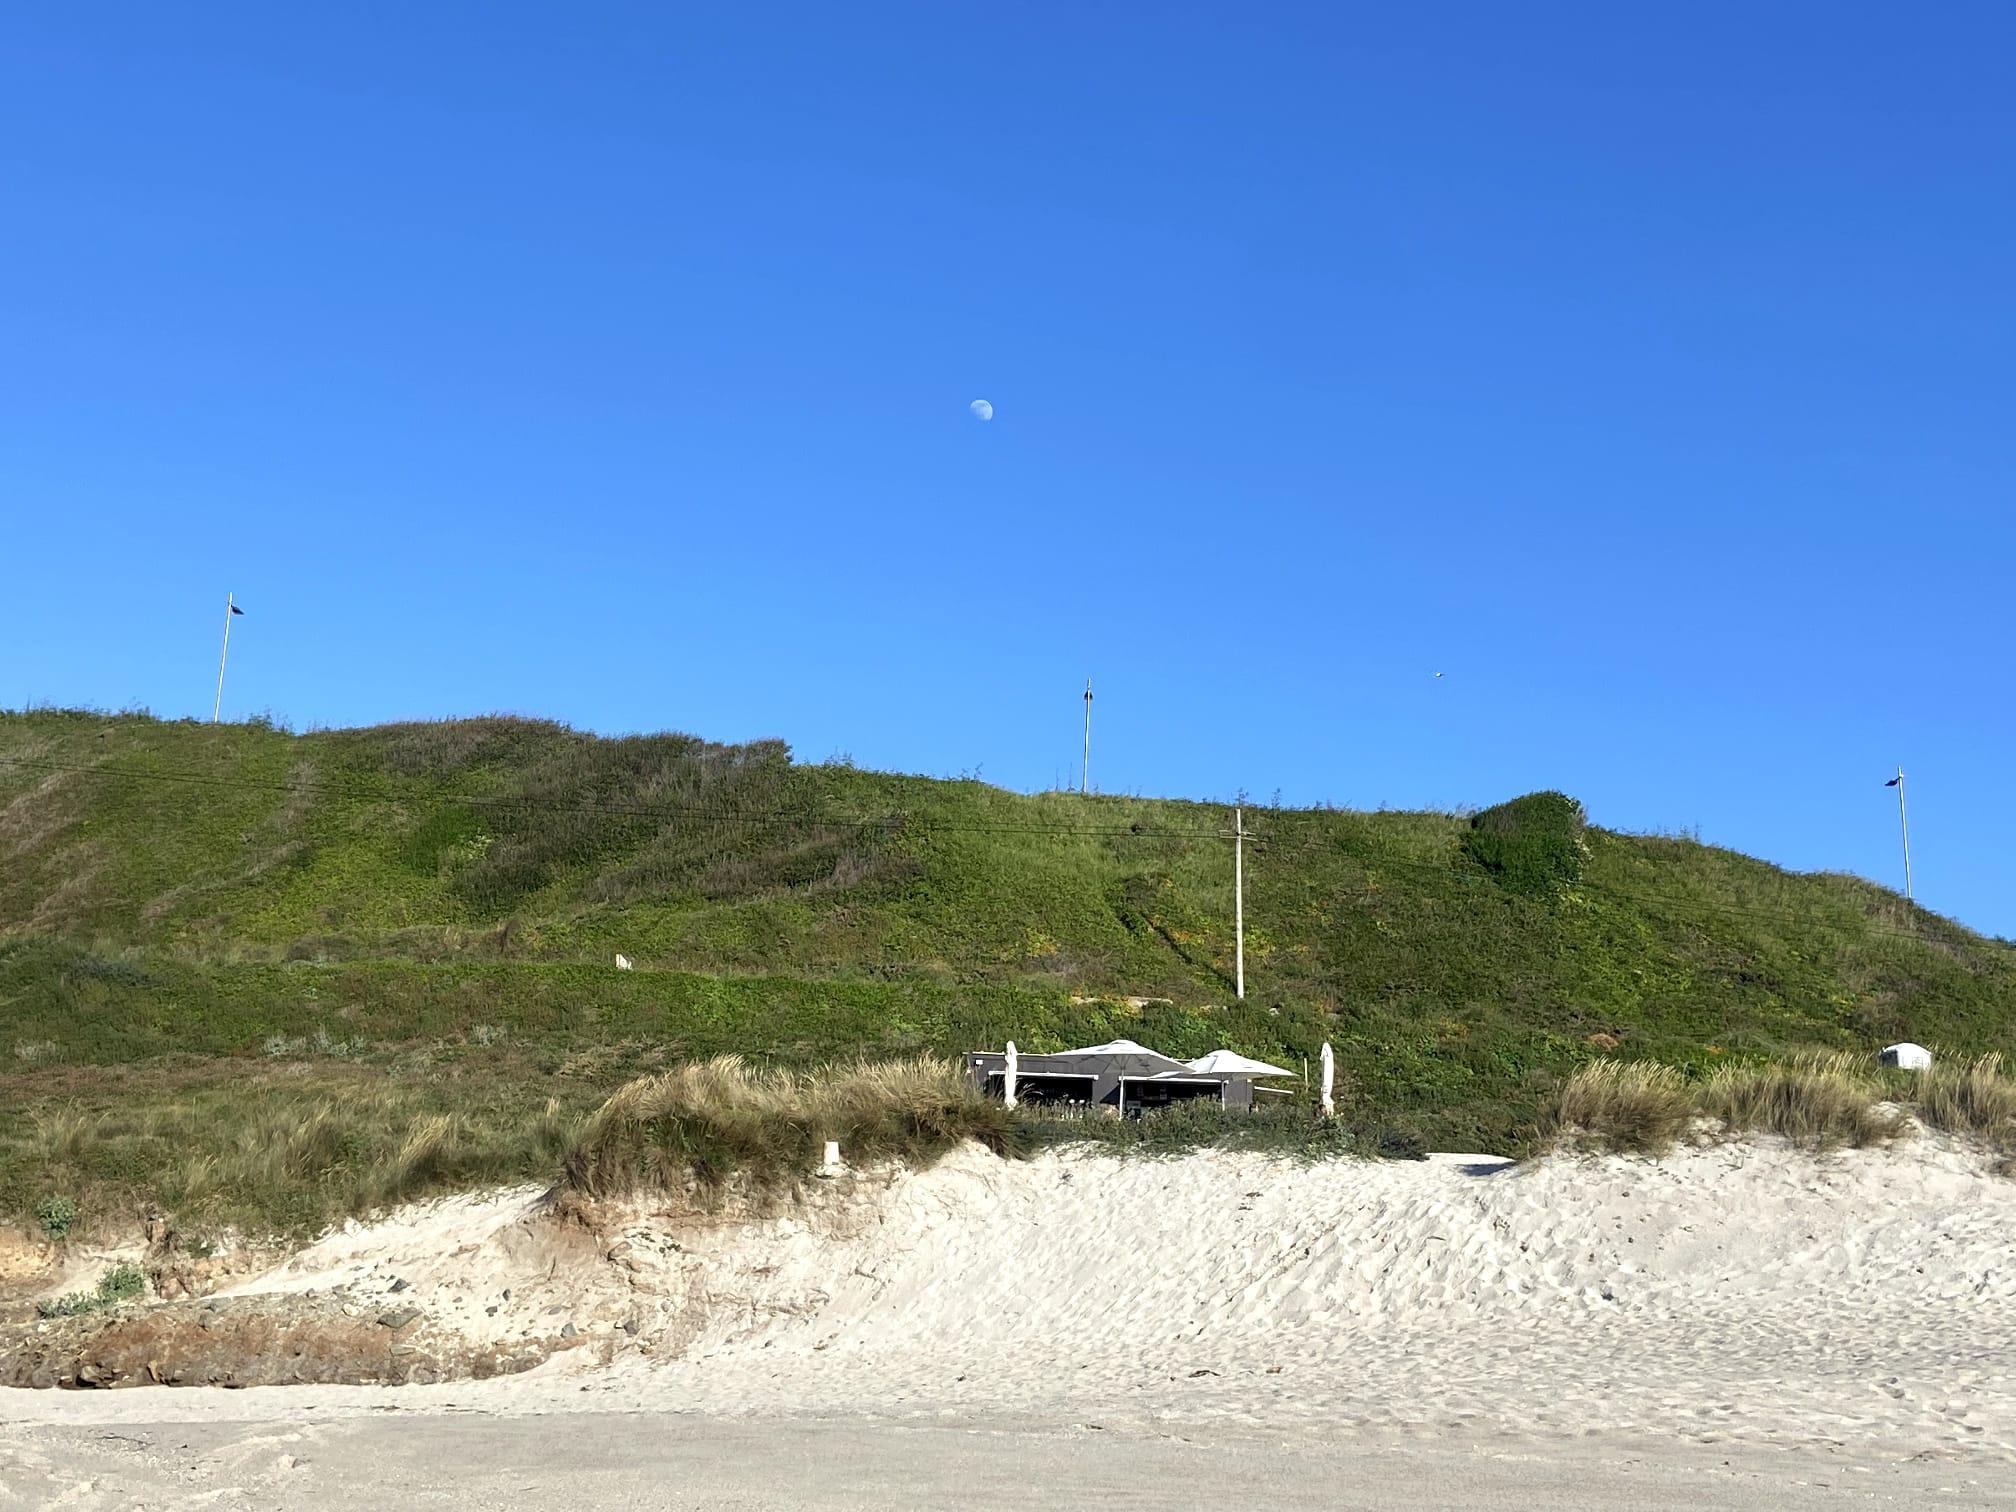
[[1737, 1325]]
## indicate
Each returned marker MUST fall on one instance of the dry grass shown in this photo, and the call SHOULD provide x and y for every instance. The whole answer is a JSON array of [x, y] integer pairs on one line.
[[271, 1158], [1977, 1099], [1626, 1105], [702, 1122], [1822, 1102]]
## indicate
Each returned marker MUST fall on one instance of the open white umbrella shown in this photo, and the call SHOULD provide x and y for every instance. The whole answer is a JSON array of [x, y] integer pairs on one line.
[[1232, 1063], [1329, 1080], [1129, 1057], [1008, 1077]]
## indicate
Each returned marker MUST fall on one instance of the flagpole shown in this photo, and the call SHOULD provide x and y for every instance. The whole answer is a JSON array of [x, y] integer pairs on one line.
[[1904, 826], [218, 707], [1085, 769], [1239, 901]]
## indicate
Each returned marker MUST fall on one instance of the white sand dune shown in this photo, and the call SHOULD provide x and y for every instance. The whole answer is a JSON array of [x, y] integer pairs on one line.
[[1749, 1294], [1747, 1290]]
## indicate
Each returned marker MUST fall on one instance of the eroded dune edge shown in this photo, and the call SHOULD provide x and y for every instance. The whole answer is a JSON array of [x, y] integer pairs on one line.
[[1747, 1290]]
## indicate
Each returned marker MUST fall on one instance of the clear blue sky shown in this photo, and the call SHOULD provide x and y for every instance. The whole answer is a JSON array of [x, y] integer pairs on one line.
[[1646, 371]]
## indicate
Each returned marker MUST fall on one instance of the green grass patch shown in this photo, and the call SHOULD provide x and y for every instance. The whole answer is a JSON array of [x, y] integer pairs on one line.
[[436, 909], [119, 1284]]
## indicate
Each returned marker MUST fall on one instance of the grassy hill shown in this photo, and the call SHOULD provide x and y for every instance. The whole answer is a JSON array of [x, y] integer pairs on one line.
[[211, 933]]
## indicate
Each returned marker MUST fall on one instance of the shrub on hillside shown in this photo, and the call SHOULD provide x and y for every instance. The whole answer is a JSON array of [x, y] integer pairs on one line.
[[119, 1284], [57, 1216], [1532, 844]]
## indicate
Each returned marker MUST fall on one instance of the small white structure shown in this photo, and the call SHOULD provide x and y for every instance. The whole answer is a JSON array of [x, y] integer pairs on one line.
[[831, 1165], [1906, 1057], [1329, 1081], [1008, 1076], [622, 961]]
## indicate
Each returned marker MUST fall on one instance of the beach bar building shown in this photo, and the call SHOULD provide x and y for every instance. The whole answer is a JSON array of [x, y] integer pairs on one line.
[[1127, 1077]]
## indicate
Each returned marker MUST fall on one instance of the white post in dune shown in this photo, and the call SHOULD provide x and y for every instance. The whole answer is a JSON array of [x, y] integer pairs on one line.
[[1008, 1077], [831, 1164], [1329, 1081]]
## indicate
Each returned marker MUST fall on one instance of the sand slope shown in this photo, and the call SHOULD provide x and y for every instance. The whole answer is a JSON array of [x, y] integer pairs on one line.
[[1742, 1293]]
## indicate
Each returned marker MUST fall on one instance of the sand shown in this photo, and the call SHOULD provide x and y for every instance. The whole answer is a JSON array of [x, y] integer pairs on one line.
[[1725, 1326]]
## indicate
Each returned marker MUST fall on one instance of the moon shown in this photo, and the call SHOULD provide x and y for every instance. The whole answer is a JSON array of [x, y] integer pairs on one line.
[[982, 410]]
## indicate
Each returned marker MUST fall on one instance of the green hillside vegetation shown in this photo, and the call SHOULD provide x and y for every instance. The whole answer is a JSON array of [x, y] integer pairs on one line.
[[260, 977]]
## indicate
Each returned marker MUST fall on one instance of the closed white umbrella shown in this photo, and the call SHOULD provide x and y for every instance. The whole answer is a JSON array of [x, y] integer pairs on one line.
[[1008, 1077], [1329, 1080]]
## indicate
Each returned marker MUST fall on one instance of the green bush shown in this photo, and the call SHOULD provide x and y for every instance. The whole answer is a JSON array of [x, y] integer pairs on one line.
[[57, 1215], [115, 1286], [1533, 844]]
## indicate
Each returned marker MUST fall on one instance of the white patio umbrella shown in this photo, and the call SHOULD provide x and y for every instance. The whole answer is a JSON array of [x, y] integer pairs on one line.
[[1008, 1077], [1329, 1080], [1129, 1060], [1129, 1056], [1232, 1063]]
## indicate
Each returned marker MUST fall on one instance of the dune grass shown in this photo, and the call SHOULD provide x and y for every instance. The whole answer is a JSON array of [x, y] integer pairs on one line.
[[701, 1126], [272, 1156], [704, 1123], [276, 1153], [1821, 1100], [1626, 1105], [1976, 1098]]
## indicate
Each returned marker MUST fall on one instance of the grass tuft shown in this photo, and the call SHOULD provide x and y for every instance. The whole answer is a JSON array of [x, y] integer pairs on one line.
[[1978, 1099], [1820, 1101], [1626, 1105], [706, 1121], [276, 1156]]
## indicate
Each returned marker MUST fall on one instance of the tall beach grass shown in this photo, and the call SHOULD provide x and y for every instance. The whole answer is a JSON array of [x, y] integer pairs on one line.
[[1822, 1100], [702, 1123], [1976, 1098], [1626, 1105], [272, 1157]]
